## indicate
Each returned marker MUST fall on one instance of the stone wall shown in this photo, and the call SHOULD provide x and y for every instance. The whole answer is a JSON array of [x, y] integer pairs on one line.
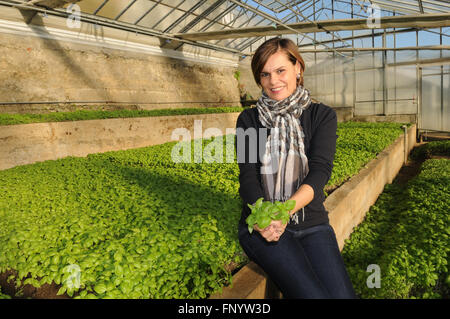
[[29, 143], [47, 62]]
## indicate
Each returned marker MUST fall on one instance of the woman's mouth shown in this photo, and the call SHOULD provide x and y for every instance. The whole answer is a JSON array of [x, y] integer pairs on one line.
[[276, 89]]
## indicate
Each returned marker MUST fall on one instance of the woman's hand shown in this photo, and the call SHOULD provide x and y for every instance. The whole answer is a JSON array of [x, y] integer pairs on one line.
[[272, 232]]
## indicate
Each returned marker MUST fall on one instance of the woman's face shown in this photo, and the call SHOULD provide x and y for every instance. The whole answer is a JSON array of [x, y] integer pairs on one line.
[[279, 76]]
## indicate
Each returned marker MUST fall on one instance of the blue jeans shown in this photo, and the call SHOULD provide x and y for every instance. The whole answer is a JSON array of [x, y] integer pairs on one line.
[[303, 264]]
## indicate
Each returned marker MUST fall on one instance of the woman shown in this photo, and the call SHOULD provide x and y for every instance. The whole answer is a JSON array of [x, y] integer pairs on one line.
[[295, 162]]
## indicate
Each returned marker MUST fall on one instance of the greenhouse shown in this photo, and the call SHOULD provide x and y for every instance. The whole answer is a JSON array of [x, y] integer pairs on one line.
[[119, 134]]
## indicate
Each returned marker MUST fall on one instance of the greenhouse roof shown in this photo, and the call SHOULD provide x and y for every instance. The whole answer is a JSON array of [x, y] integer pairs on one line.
[[237, 26]]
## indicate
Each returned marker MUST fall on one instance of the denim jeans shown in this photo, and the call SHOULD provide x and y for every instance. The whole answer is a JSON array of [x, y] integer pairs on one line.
[[303, 264]]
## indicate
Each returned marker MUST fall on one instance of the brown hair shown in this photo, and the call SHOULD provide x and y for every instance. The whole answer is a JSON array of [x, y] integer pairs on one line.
[[272, 46]]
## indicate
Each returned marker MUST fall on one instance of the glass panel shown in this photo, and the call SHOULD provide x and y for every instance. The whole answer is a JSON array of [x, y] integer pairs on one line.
[[431, 70], [89, 6], [135, 11], [369, 108], [369, 86], [344, 89], [446, 98], [429, 54], [162, 15], [431, 102], [111, 9], [402, 89], [429, 38]]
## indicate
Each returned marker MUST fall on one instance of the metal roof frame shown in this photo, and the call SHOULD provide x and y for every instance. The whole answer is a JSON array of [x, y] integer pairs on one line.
[[234, 25]]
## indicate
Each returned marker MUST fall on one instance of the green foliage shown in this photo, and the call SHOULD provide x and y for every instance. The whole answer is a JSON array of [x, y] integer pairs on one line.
[[263, 212], [357, 144], [137, 224], [4, 296], [432, 148], [406, 233], [12, 119], [237, 75]]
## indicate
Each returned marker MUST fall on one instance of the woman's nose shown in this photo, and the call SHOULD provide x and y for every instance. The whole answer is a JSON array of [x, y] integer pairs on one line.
[[273, 78]]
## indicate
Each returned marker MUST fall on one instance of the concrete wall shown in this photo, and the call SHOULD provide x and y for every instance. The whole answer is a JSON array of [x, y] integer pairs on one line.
[[29, 143], [247, 81], [347, 207], [344, 113], [47, 61], [399, 118]]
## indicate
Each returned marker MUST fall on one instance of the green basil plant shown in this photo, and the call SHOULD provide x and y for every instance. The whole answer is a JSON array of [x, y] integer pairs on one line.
[[263, 212]]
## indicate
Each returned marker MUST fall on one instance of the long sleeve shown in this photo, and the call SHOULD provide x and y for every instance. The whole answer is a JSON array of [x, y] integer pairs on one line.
[[246, 144], [322, 149], [320, 124]]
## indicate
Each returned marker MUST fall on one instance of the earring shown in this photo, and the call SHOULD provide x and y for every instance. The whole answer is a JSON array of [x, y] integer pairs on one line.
[[298, 76]]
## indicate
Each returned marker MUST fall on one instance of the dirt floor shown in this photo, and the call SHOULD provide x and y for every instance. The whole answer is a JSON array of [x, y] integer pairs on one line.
[[412, 167], [408, 171]]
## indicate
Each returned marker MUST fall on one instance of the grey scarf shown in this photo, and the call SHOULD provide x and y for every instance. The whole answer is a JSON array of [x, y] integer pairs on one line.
[[284, 164]]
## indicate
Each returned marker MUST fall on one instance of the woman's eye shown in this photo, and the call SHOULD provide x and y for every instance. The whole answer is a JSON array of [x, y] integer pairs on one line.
[[280, 71], [263, 75]]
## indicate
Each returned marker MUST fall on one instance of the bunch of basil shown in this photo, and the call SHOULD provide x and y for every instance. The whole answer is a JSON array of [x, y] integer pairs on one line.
[[263, 212]]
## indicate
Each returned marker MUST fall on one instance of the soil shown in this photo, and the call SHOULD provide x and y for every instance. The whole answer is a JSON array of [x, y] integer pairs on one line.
[[412, 167], [47, 291], [408, 171], [330, 189]]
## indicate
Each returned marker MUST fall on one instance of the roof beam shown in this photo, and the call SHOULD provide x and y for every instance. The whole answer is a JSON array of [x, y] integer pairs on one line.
[[100, 7], [404, 21], [125, 10], [276, 22], [203, 15], [184, 16], [97, 20], [51, 3], [431, 47], [28, 13], [420, 6], [423, 62], [437, 3], [369, 35]]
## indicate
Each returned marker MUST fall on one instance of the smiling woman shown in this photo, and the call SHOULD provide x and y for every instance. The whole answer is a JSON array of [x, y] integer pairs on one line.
[[278, 61], [279, 76], [296, 159]]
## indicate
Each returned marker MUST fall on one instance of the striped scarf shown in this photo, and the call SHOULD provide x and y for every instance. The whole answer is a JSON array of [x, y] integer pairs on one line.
[[284, 164]]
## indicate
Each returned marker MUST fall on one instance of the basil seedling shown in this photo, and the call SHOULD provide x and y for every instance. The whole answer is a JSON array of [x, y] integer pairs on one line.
[[263, 212]]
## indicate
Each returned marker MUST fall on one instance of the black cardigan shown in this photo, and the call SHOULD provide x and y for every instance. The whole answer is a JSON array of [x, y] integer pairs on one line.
[[319, 124]]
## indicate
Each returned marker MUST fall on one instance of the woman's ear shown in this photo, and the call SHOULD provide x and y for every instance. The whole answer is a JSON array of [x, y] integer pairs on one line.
[[298, 68], [298, 72]]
